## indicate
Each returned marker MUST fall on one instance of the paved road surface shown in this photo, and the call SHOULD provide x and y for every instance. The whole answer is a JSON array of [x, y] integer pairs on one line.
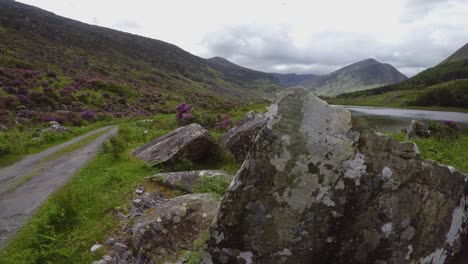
[[19, 198]]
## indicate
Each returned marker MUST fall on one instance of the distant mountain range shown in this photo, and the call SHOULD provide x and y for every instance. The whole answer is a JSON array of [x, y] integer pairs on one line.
[[444, 85], [358, 76]]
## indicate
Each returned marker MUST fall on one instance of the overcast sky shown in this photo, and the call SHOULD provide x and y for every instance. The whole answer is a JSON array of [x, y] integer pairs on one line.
[[303, 36]]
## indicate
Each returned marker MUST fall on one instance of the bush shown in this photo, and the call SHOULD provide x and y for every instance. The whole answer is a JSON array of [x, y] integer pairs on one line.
[[184, 114], [115, 146], [444, 130], [215, 184]]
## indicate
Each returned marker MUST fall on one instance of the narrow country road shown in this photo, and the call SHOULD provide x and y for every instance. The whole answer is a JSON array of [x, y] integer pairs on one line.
[[25, 185]]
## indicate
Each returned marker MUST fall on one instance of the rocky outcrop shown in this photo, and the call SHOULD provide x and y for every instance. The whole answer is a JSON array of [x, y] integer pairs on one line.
[[191, 142], [55, 127], [320, 186], [239, 140], [173, 226], [417, 129], [186, 181]]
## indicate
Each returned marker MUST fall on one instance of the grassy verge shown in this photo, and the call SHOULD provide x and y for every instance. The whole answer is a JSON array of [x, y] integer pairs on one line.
[[75, 145], [15, 144], [51, 157], [394, 99], [450, 152], [81, 213]]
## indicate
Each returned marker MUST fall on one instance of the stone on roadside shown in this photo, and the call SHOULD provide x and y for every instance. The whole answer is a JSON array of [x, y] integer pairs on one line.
[[95, 247], [120, 247], [192, 143]]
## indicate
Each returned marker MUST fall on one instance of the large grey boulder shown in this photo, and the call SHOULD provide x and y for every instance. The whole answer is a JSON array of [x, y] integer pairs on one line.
[[187, 181], [163, 233], [320, 186], [239, 140], [191, 142]]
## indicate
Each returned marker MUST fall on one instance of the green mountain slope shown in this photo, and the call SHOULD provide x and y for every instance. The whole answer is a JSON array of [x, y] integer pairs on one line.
[[447, 78], [362, 75], [459, 55], [292, 79], [76, 53]]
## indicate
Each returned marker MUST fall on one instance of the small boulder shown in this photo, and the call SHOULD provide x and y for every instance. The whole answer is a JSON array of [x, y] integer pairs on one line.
[[120, 247], [191, 142], [173, 226], [186, 181], [416, 129], [239, 140], [95, 247], [55, 127]]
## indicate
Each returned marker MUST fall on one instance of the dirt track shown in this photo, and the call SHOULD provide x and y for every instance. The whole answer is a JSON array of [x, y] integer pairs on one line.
[[21, 196]]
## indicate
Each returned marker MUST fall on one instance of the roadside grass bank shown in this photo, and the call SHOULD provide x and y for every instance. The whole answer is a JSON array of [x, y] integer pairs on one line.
[[82, 212], [41, 165], [21, 141]]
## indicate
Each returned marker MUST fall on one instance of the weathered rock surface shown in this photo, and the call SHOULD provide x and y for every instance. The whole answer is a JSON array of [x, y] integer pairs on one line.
[[239, 140], [173, 226], [55, 127], [320, 186], [416, 129], [186, 181], [191, 142]]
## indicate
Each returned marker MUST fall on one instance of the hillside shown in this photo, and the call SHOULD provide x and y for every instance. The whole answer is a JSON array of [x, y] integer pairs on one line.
[[292, 79], [418, 90], [362, 75], [459, 55], [111, 70], [235, 73]]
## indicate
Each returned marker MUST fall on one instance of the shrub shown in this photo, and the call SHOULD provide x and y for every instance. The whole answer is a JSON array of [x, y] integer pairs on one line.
[[184, 114], [215, 184], [87, 114], [115, 146], [444, 130], [225, 122]]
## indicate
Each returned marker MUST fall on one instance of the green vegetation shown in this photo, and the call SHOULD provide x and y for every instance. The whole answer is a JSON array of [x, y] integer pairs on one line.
[[216, 185], [82, 212], [75, 146], [451, 152], [195, 256], [445, 85], [23, 140], [77, 215]]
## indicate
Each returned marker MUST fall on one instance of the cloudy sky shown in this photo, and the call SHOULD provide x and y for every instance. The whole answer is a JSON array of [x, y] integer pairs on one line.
[[302, 36]]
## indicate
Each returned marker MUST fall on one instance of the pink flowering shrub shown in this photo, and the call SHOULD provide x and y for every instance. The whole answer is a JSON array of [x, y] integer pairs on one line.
[[87, 114], [184, 114]]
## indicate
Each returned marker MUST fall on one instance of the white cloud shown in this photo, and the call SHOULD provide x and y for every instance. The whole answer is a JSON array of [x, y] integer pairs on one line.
[[313, 36]]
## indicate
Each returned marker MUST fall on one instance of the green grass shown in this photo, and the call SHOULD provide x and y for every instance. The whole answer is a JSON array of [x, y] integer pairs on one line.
[[393, 99], [195, 256], [19, 142], [75, 145], [81, 213], [451, 152]]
